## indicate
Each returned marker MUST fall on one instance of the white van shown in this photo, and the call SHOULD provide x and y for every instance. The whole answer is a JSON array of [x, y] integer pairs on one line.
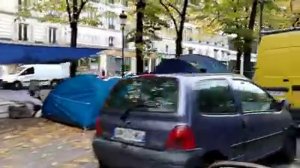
[[45, 74]]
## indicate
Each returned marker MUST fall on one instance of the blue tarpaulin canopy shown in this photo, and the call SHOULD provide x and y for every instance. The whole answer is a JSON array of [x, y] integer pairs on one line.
[[36, 54]]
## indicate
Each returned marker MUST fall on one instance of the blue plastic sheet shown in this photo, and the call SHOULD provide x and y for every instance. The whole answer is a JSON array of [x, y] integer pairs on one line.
[[78, 101]]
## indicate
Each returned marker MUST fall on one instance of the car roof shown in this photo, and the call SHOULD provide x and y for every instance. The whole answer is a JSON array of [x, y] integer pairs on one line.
[[203, 75], [191, 77]]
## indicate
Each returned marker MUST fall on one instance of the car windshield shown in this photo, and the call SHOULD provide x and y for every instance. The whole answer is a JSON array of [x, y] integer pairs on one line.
[[159, 94], [17, 70]]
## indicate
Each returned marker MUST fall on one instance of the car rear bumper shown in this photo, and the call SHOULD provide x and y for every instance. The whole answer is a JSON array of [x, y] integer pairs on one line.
[[118, 155]]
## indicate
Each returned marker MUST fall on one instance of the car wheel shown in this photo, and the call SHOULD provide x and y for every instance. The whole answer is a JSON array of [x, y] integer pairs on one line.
[[17, 85], [289, 150]]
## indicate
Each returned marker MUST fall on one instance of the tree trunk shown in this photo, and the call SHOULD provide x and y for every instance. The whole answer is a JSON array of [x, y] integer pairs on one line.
[[178, 45], [181, 28], [140, 7], [249, 41], [238, 61], [74, 31], [261, 17]]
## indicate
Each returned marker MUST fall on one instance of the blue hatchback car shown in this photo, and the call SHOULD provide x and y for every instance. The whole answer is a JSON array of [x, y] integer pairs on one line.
[[191, 121]]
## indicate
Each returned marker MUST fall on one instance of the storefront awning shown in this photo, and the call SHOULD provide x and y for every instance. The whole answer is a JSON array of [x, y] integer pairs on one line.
[[34, 54]]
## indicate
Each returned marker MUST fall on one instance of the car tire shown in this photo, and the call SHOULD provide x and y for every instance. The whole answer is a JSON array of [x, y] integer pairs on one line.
[[289, 150], [17, 85]]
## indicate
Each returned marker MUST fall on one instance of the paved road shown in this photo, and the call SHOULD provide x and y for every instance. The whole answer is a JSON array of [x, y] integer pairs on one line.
[[51, 145], [38, 143]]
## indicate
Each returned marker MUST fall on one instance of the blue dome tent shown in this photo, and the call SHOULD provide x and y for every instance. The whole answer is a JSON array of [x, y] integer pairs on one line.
[[191, 63], [78, 101], [168, 66], [211, 65]]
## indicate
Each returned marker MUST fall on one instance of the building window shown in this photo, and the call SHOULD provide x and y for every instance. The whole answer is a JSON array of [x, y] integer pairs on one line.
[[188, 34], [52, 35], [216, 53], [111, 41], [23, 32], [111, 1], [146, 63], [200, 51], [23, 3], [111, 20], [125, 2], [167, 49]]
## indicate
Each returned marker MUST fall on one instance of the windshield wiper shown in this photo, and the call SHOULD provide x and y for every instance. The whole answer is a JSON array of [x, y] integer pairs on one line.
[[125, 115]]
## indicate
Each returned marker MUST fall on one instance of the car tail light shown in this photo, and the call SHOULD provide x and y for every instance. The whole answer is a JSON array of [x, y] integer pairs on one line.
[[181, 137], [99, 129]]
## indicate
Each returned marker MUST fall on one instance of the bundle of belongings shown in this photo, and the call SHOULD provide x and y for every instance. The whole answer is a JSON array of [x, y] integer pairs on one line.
[[22, 103]]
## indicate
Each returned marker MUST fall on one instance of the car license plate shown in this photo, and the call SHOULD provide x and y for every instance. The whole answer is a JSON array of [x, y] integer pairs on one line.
[[129, 135]]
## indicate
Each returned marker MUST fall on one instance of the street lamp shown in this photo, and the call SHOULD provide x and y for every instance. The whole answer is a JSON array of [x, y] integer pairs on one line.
[[123, 19]]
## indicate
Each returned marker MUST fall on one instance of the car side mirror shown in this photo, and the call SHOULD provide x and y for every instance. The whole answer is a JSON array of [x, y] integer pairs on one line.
[[233, 164], [281, 104]]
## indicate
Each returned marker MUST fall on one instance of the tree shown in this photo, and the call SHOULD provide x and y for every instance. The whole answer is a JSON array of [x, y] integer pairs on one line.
[[140, 8], [63, 11], [152, 23], [239, 17], [228, 17], [249, 40], [177, 12]]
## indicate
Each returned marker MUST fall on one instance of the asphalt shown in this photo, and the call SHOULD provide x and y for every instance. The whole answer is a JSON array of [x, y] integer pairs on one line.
[[35, 143], [39, 143]]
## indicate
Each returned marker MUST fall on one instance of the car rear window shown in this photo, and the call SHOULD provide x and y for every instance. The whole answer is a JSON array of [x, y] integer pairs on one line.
[[157, 94]]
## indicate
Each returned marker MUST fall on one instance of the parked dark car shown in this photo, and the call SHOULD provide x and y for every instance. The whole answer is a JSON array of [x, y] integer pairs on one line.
[[191, 121]]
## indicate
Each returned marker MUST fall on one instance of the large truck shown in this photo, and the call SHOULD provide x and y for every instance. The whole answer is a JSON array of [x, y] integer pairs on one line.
[[44, 74], [278, 67]]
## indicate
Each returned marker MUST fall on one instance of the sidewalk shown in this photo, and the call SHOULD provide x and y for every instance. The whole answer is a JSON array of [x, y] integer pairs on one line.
[[35, 143]]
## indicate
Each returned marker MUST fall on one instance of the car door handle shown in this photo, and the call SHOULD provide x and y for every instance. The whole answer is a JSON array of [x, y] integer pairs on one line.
[[286, 80]]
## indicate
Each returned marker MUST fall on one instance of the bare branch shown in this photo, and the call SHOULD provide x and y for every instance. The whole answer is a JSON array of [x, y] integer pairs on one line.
[[170, 15], [212, 22], [82, 4], [69, 11], [175, 8]]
